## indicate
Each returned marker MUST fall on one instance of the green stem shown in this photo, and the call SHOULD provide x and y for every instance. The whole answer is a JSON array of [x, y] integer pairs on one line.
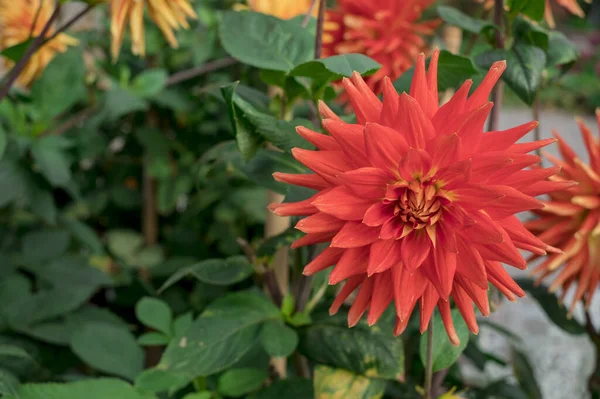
[[429, 361]]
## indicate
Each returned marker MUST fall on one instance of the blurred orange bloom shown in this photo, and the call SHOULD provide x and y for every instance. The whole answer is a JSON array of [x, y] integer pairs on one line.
[[18, 23], [385, 30], [169, 15], [284, 9], [571, 5], [570, 220]]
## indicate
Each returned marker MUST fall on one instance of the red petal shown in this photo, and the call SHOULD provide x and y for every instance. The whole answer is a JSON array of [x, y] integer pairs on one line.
[[351, 139], [413, 123], [328, 164], [447, 151], [319, 140], [383, 294], [415, 249], [355, 234], [471, 265], [378, 214], [427, 306], [465, 306], [482, 93], [326, 112], [360, 304], [320, 223], [384, 255], [444, 308], [313, 181], [364, 109], [311, 239], [503, 139], [329, 257], [408, 288], [353, 261], [366, 182], [385, 147], [341, 203], [352, 283], [390, 103]]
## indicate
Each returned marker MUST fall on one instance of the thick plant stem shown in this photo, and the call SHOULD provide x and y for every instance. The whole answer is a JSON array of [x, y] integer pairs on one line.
[[201, 70], [320, 25], [429, 362], [498, 92]]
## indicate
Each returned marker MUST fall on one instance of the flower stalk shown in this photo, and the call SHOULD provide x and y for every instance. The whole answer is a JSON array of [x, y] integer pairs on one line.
[[498, 93], [429, 362]]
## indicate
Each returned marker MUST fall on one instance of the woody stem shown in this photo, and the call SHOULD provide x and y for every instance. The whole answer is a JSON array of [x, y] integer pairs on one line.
[[498, 92], [429, 361]]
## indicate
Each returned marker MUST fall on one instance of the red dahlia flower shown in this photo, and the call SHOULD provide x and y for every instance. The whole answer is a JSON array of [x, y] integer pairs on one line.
[[417, 202], [571, 221], [385, 30]]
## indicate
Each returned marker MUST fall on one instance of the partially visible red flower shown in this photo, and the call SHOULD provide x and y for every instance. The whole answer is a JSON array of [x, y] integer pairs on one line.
[[571, 221], [386, 30], [570, 5], [417, 202]]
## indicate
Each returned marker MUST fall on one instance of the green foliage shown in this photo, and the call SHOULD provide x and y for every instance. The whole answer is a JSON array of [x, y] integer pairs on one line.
[[333, 383], [239, 382], [444, 353], [92, 389]]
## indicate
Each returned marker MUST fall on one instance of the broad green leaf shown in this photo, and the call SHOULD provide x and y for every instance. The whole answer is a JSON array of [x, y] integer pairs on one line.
[[290, 388], [156, 381], [264, 41], [525, 64], [42, 204], [149, 83], [84, 234], [336, 67], [14, 351], [370, 351], [248, 141], [153, 339], [16, 52], [110, 349], [199, 395], [528, 32], [13, 182], [278, 339], [227, 330], [119, 102], [214, 271], [561, 51], [534, 9], [332, 383], [9, 384], [261, 167], [525, 375], [239, 382], [444, 352], [3, 141], [44, 245], [102, 388], [124, 243], [550, 304], [70, 271], [182, 323], [52, 159], [171, 190], [453, 70], [155, 313], [61, 85], [467, 23]]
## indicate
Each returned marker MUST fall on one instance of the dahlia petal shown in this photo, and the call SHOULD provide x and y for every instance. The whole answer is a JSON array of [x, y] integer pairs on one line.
[[311, 239], [432, 83], [365, 111], [320, 223], [471, 265], [319, 140], [415, 248], [546, 187], [444, 308], [366, 182], [523, 148], [454, 107], [383, 294], [351, 285], [465, 306], [445, 267], [447, 238], [400, 326], [412, 121], [512, 201], [300, 208], [326, 112], [525, 178], [427, 306], [353, 261], [567, 153], [360, 304], [517, 232], [418, 87], [392, 229], [313, 181], [504, 139], [561, 208], [390, 104], [478, 294], [591, 144], [505, 252], [327, 164], [415, 164], [482, 93], [471, 130], [384, 255], [474, 197], [350, 138], [342, 204], [484, 231], [355, 234], [408, 288], [378, 214], [364, 89], [497, 273], [384, 146], [329, 257], [446, 151]]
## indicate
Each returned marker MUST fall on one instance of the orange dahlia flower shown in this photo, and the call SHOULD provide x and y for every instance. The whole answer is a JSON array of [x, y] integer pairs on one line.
[[571, 221], [18, 21], [417, 202], [169, 15], [385, 30], [283, 9]]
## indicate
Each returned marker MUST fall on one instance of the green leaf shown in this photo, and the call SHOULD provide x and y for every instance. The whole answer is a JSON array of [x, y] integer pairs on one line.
[[149, 83], [264, 41], [453, 70], [9, 384], [109, 349], [528, 32], [52, 159], [156, 381], [524, 72], [155, 313], [153, 339], [239, 382], [214, 271], [290, 388], [3, 141], [444, 352], [525, 375], [550, 304], [44, 245], [16, 52], [101, 388], [13, 182], [273, 244], [14, 351], [199, 395], [336, 67], [84, 234], [332, 383], [248, 141], [534, 9], [70, 271], [370, 351], [467, 23], [61, 85], [124, 243], [261, 167], [119, 102], [561, 51], [228, 329], [278, 339], [182, 323], [42, 204]]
